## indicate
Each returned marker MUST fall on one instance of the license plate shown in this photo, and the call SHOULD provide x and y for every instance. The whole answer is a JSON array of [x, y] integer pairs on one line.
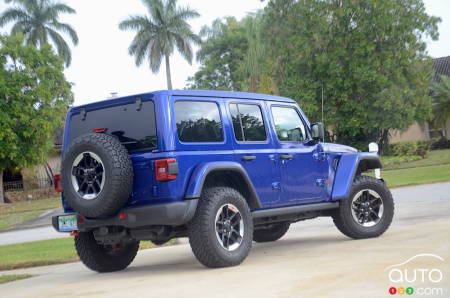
[[67, 223]]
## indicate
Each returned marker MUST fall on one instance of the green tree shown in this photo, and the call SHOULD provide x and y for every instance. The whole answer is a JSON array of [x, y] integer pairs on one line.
[[221, 55], [34, 96], [38, 21], [158, 34], [369, 57], [441, 104]]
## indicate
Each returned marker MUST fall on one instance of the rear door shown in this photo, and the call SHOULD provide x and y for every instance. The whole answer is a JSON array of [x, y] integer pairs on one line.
[[254, 148]]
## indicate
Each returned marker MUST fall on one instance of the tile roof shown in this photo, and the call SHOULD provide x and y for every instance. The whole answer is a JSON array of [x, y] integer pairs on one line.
[[441, 67]]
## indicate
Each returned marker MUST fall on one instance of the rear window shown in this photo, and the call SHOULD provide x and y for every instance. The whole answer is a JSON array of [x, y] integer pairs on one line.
[[248, 124], [198, 121], [132, 124]]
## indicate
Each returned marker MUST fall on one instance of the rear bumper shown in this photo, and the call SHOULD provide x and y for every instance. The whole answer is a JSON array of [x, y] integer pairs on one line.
[[173, 214]]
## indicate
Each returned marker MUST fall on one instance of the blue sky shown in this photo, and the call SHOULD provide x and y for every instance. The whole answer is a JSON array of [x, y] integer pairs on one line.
[[101, 65]]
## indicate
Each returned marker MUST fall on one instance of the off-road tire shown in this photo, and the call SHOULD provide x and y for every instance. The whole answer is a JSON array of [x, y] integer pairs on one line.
[[271, 233], [343, 219], [202, 228], [118, 175], [102, 258]]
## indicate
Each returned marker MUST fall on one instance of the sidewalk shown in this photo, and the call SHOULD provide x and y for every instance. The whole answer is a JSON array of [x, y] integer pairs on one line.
[[30, 235], [35, 229]]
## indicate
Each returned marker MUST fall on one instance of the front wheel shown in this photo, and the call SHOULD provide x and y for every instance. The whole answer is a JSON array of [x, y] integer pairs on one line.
[[221, 232], [104, 258], [367, 212]]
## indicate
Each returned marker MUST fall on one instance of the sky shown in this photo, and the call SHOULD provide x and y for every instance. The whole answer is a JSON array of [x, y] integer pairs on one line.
[[101, 64]]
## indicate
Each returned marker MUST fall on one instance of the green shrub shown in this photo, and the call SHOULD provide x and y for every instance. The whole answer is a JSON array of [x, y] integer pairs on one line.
[[412, 148], [439, 143]]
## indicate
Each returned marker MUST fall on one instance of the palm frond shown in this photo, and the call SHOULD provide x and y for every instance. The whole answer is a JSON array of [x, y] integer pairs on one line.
[[155, 56], [61, 46], [62, 8], [186, 13], [184, 47], [12, 14], [135, 22], [66, 28], [155, 8]]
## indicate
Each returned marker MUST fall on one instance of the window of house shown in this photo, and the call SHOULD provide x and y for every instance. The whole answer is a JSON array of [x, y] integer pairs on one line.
[[288, 124], [436, 133], [248, 124], [198, 121]]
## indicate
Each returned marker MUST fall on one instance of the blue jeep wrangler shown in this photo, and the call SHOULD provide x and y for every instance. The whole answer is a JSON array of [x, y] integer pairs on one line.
[[222, 168]]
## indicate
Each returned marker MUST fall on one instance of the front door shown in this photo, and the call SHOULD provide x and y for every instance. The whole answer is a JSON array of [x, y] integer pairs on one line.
[[304, 168], [254, 149]]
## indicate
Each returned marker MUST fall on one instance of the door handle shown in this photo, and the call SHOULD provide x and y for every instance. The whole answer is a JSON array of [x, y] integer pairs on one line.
[[286, 156], [248, 157]]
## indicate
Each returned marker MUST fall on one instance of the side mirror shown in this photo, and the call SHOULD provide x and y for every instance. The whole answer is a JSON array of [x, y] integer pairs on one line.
[[317, 131]]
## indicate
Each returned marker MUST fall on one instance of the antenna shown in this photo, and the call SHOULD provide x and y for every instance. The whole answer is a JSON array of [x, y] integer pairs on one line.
[[322, 103]]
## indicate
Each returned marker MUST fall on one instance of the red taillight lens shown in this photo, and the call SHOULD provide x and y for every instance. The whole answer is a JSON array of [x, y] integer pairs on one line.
[[57, 182], [166, 169], [99, 130]]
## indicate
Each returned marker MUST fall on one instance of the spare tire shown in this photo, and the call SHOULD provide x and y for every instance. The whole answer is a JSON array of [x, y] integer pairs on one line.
[[96, 175]]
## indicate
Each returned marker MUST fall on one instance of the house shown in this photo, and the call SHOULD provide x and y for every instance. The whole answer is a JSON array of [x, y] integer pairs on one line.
[[423, 131]]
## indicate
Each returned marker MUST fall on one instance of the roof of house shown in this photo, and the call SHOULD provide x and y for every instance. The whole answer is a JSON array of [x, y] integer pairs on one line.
[[441, 67]]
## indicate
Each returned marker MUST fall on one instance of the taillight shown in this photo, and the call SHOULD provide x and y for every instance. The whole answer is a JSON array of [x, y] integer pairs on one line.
[[99, 130], [57, 182], [166, 169]]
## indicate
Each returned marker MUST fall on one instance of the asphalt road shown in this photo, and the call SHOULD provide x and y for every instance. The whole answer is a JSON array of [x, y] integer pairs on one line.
[[313, 259]]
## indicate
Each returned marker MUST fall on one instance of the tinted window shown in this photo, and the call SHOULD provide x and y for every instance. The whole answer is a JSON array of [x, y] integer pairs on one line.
[[288, 124], [248, 124], [135, 128], [198, 121]]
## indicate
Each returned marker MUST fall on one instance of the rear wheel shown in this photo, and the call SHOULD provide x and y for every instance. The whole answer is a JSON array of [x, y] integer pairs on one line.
[[104, 258], [221, 232], [270, 233], [368, 211]]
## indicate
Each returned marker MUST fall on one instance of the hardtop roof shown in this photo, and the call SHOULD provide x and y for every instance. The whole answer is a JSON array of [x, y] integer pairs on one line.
[[190, 93]]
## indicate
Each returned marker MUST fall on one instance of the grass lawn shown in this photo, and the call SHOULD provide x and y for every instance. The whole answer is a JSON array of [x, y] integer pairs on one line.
[[434, 158], [434, 168], [13, 277], [44, 252], [16, 213], [413, 176]]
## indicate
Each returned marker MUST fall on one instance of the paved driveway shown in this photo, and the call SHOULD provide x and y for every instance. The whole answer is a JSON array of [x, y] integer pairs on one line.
[[313, 259]]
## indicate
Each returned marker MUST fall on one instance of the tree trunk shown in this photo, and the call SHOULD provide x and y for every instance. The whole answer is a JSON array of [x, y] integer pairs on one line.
[[2, 197], [169, 80]]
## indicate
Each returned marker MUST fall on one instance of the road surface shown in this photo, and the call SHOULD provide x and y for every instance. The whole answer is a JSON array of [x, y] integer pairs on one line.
[[313, 259]]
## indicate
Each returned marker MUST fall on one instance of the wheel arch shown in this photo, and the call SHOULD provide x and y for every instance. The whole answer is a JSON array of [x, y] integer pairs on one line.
[[350, 166], [223, 174]]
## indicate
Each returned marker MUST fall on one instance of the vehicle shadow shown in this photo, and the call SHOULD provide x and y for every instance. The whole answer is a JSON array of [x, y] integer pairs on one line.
[[185, 261]]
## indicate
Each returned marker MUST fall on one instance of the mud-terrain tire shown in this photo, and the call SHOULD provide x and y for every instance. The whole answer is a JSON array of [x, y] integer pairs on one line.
[[104, 258], [209, 242], [347, 221], [271, 233], [117, 174]]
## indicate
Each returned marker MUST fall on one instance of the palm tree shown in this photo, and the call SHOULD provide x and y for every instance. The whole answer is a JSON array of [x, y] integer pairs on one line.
[[441, 101], [38, 20], [159, 33]]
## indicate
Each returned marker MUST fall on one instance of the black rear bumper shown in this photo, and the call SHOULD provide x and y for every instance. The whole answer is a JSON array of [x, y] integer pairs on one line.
[[172, 214]]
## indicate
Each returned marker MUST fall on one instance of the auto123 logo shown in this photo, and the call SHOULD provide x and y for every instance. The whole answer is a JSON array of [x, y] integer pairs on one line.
[[420, 275]]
